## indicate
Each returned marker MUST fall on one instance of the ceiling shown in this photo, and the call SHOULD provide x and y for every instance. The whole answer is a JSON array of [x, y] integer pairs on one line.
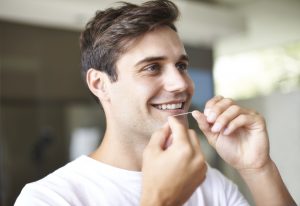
[[225, 2], [202, 22]]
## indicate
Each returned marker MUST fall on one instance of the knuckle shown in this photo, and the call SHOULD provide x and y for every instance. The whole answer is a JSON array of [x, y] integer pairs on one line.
[[201, 159], [217, 110], [257, 115], [243, 117], [236, 108], [204, 167], [198, 161], [253, 112], [214, 100], [224, 118], [228, 101], [208, 104], [218, 97], [261, 119], [233, 124], [221, 121]]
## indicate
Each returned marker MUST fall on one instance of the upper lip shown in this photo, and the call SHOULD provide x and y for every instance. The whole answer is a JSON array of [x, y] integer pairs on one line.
[[171, 102]]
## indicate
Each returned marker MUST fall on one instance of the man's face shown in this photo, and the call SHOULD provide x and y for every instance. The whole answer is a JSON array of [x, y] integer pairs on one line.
[[152, 84]]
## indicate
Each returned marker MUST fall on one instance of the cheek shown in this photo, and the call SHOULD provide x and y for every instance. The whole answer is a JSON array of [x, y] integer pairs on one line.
[[146, 89], [134, 90]]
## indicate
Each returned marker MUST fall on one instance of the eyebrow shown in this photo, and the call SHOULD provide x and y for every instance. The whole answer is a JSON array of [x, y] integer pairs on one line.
[[183, 57]]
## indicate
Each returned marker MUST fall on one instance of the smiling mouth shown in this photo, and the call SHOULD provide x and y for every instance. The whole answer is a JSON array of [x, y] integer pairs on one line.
[[173, 106]]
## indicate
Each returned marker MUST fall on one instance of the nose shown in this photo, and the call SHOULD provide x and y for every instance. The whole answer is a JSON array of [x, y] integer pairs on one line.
[[176, 81]]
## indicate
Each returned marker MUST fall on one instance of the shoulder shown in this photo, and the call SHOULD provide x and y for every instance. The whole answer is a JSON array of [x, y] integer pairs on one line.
[[54, 189], [37, 194]]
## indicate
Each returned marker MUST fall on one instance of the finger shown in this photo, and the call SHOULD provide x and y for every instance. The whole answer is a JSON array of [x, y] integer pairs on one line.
[[204, 127], [194, 139], [178, 130], [209, 104], [224, 118], [201, 120], [218, 109], [159, 138], [243, 120]]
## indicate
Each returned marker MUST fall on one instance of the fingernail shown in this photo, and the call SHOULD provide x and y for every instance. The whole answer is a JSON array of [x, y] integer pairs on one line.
[[195, 114], [211, 117], [217, 127], [206, 112]]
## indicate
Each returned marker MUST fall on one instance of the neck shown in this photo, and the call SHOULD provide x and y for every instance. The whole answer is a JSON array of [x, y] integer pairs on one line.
[[121, 151]]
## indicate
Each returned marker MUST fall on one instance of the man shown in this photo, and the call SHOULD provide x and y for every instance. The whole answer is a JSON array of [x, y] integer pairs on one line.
[[135, 65]]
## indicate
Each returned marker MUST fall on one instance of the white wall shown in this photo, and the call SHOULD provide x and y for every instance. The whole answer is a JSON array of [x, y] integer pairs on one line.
[[282, 113], [271, 23], [268, 23]]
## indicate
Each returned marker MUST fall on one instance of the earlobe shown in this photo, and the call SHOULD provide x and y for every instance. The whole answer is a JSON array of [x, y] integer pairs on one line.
[[97, 83]]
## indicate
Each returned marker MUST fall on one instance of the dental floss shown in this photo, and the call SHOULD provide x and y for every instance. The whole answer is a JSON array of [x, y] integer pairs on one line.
[[181, 114]]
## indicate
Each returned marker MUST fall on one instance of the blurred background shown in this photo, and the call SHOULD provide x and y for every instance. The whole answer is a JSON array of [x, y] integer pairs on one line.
[[248, 50]]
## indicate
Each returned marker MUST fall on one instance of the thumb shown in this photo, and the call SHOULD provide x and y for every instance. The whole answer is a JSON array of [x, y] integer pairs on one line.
[[178, 129], [205, 127]]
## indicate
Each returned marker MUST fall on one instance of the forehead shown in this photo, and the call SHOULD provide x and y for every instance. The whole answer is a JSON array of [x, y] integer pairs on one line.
[[162, 41]]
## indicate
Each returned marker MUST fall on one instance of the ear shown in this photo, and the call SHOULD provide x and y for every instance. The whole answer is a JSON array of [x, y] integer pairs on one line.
[[97, 82]]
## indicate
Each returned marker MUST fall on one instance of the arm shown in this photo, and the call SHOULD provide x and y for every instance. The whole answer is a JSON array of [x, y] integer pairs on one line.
[[171, 175], [266, 186], [240, 138]]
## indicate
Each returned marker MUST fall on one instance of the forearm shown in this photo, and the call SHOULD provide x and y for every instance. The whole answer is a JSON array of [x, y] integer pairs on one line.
[[267, 186]]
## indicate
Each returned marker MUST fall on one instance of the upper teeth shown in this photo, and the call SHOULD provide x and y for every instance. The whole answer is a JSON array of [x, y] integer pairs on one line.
[[170, 106]]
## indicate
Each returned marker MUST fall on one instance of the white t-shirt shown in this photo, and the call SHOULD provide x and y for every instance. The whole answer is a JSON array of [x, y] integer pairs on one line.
[[85, 182]]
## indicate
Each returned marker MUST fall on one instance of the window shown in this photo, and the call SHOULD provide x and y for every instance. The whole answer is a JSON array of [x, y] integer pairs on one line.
[[258, 72]]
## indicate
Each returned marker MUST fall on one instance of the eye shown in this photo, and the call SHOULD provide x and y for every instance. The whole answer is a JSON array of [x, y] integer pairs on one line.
[[182, 66], [152, 68]]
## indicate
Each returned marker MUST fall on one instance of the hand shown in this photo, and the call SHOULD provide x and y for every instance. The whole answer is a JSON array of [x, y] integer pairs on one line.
[[171, 174], [240, 138], [238, 135]]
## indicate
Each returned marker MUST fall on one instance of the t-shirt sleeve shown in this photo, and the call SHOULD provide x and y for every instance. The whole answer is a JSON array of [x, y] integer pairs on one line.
[[36, 195]]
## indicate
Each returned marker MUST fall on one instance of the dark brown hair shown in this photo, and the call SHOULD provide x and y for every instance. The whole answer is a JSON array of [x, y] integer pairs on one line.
[[107, 34]]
